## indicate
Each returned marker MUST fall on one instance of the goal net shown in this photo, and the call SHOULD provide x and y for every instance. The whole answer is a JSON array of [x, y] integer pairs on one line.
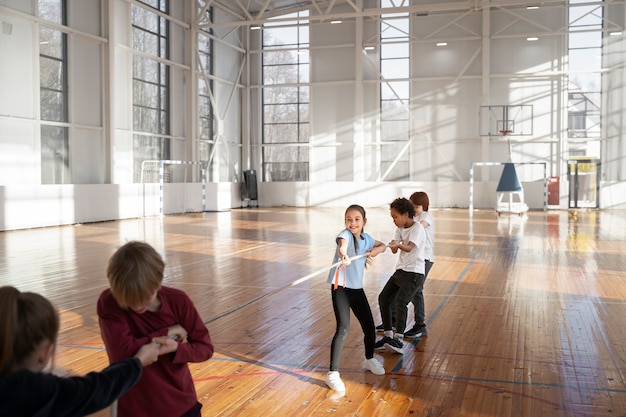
[[173, 186]]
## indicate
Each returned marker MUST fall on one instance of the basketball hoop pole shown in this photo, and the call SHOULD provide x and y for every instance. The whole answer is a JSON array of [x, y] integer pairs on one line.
[[506, 133]]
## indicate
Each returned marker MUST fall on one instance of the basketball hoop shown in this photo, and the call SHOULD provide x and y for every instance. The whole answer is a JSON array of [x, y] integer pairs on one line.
[[505, 132]]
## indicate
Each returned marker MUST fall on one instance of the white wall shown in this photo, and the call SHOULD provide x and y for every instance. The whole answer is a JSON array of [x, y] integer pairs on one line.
[[448, 87]]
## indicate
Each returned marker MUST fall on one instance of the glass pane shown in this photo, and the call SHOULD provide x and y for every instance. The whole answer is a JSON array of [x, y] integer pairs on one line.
[[395, 68], [394, 152], [55, 167], [144, 119], [394, 110], [280, 74], [51, 43], [280, 95], [51, 10], [394, 90], [52, 106], [280, 113], [284, 133], [286, 154], [303, 113], [280, 57], [304, 94], [146, 69], [146, 94], [585, 59], [394, 50], [303, 75], [51, 74], [585, 40], [394, 131], [399, 172], [586, 82], [581, 16], [394, 28], [145, 19], [304, 135], [145, 42], [280, 36]]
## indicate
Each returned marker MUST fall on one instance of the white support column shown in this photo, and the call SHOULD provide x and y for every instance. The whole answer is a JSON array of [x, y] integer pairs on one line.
[[485, 99], [359, 109]]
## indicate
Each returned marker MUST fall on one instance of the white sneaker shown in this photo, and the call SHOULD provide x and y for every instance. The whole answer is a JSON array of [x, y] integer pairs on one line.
[[374, 366], [334, 382]]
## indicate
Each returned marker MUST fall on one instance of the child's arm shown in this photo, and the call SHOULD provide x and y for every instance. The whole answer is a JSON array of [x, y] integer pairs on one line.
[[198, 347], [117, 336], [343, 251], [379, 247], [405, 247]]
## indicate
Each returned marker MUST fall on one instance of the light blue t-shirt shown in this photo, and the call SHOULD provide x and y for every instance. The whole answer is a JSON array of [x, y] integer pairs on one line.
[[354, 271]]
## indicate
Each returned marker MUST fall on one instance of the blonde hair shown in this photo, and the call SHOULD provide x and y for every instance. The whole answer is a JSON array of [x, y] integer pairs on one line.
[[135, 273], [27, 320]]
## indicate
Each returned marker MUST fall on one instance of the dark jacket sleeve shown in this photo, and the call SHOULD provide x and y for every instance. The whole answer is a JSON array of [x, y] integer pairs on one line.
[[83, 395]]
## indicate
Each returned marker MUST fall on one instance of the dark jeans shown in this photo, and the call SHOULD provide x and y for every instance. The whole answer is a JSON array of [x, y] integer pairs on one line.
[[419, 309], [418, 298], [398, 290], [344, 300]]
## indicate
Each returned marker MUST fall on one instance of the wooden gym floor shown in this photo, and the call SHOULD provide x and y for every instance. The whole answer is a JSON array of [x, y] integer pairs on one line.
[[526, 314]]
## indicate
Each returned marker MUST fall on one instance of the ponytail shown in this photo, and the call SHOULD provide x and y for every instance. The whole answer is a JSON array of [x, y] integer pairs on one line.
[[27, 319]]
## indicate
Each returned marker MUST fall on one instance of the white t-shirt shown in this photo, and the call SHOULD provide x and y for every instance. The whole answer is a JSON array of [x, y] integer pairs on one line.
[[412, 261], [429, 250]]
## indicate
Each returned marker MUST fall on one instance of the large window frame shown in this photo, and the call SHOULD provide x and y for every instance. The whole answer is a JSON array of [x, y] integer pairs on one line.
[[285, 101], [395, 96], [54, 93], [151, 83], [585, 39]]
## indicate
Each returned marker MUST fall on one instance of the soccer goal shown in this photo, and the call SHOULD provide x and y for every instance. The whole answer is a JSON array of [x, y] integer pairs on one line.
[[173, 186]]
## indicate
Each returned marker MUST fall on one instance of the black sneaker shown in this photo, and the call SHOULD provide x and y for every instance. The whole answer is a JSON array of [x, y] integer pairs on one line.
[[416, 331], [381, 343], [394, 344]]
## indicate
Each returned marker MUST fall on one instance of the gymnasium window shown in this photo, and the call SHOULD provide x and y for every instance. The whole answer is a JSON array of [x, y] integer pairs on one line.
[[55, 161], [393, 149], [205, 89], [585, 68], [151, 109], [285, 146]]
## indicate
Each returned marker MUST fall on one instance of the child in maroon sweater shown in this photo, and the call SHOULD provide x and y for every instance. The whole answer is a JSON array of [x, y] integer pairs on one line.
[[137, 309]]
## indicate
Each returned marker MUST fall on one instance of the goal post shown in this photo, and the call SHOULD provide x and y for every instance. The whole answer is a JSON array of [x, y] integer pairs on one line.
[[174, 187]]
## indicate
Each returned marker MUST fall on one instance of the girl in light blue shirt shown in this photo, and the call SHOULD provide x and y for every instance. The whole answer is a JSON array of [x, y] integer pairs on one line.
[[347, 293]]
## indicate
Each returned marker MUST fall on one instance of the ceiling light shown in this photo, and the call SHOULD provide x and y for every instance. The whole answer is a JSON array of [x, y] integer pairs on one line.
[[615, 33], [532, 7], [368, 48], [334, 22], [255, 27], [442, 43], [532, 39]]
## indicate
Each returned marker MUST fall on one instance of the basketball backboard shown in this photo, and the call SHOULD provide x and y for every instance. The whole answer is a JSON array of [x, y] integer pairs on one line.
[[506, 120]]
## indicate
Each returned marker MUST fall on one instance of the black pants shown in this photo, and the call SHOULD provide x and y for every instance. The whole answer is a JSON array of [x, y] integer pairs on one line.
[[344, 300], [398, 290], [418, 301]]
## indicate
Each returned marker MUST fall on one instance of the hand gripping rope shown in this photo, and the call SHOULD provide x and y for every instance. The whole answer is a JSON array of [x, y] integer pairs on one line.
[[341, 266]]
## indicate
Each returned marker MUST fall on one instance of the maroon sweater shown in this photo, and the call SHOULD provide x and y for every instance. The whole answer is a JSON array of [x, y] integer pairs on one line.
[[166, 387]]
